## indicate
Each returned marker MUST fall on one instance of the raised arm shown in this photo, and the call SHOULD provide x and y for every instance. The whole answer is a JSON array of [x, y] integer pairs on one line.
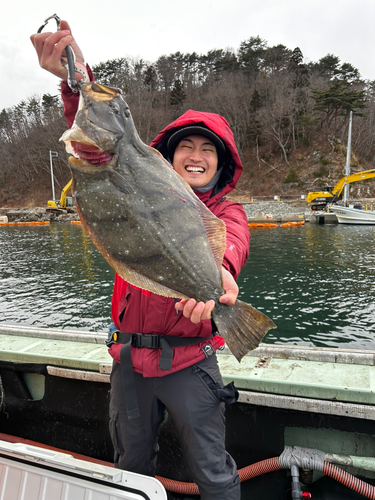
[[50, 49]]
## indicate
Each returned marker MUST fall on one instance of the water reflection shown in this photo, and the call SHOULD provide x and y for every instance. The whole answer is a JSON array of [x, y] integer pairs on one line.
[[315, 282], [52, 276]]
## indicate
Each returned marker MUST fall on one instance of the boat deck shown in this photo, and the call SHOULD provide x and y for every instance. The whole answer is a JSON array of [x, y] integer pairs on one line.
[[289, 396], [326, 374]]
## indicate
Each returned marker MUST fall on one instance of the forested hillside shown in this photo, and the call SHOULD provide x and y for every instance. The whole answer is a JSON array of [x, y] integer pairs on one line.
[[290, 119]]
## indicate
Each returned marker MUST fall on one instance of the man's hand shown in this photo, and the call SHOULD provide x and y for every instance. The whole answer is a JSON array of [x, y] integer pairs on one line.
[[230, 287], [200, 311], [50, 48]]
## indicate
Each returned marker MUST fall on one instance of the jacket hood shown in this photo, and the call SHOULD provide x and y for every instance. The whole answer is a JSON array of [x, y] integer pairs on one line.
[[232, 163]]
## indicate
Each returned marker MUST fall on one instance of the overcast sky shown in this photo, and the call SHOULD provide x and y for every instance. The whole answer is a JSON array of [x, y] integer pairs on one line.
[[147, 30]]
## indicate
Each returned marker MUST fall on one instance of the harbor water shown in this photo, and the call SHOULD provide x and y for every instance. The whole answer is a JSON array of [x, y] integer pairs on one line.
[[315, 282]]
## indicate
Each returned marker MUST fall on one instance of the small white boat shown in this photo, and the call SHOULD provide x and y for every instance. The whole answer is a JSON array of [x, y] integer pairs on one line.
[[351, 215]]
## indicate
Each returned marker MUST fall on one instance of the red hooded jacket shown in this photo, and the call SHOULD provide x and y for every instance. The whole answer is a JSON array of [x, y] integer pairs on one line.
[[139, 311]]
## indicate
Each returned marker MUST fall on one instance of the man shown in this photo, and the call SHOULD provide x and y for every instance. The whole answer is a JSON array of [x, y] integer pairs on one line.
[[201, 148]]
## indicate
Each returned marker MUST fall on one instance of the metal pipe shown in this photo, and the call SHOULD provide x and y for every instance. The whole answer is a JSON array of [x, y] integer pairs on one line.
[[52, 154], [348, 155], [296, 485]]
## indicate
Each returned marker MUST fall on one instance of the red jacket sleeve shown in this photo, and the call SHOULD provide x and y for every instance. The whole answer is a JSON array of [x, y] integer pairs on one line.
[[238, 237], [70, 99]]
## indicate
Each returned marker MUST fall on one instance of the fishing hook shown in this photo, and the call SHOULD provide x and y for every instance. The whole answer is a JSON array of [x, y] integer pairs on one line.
[[70, 56]]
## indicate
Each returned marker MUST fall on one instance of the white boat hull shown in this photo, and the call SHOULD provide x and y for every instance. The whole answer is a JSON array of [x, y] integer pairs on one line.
[[348, 215]]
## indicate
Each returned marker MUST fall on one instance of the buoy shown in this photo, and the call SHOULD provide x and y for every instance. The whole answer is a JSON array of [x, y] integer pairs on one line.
[[35, 223], [290, 224], [257, 224]]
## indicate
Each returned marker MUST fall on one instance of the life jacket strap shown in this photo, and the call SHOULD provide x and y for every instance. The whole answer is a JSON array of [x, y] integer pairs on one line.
[[151, 341]]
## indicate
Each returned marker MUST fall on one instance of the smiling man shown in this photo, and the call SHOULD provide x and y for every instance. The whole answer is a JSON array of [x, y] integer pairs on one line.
[[195, 159], [195, 152], [188, 384]]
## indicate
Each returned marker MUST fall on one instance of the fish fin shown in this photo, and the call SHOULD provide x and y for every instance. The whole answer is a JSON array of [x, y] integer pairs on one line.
[[241, 326], [141, 281], [216, 232], [165, 161], [215, 227], [119, 181]]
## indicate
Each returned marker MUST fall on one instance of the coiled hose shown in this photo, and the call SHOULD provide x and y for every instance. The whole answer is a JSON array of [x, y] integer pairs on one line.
[[271, 465], [254, 470], [350, 481]]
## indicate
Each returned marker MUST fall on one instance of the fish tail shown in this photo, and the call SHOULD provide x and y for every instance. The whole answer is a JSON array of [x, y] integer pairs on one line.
[[241, 326]]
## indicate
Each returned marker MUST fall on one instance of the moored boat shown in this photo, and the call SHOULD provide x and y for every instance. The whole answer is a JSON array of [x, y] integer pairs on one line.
[[351, 215]]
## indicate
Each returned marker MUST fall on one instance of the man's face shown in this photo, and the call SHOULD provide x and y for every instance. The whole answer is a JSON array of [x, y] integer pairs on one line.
[[195, 159]]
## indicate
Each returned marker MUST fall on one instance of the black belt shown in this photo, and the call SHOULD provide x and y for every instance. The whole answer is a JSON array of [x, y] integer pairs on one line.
[[151, 342]]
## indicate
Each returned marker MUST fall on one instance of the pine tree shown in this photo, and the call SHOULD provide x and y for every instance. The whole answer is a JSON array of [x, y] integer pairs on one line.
[[298, 69], [338, 99], [150, 78], [178, 95]]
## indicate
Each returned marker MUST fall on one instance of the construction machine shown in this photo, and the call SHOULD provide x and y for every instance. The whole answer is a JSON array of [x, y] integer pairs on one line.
[[320, 199], [64, 204]]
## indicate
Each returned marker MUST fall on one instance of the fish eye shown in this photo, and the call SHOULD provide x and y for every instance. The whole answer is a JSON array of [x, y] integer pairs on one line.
[[114, 106]]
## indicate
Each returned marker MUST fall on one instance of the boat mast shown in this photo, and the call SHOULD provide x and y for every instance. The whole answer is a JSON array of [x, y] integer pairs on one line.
[[348, 154]]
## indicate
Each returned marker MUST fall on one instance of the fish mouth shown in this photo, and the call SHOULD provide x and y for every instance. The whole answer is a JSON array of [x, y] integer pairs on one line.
[[90, 155], [85, 153], [89, 143]]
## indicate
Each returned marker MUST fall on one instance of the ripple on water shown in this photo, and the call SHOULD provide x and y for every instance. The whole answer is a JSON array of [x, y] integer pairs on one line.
[[315, 282], [321, 280], [53, 276]]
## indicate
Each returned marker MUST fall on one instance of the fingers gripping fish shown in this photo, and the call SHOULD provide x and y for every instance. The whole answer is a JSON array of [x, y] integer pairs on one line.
[[146, 220]]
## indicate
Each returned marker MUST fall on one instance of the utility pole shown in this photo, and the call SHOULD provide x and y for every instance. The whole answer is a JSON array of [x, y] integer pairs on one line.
[[52, 154], [348, 155]]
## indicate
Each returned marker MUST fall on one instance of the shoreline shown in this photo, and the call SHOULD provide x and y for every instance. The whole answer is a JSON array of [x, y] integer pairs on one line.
[[37, 214], [254, 210]]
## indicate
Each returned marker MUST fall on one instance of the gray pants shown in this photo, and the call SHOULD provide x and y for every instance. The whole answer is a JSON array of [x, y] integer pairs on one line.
[[197, 415]]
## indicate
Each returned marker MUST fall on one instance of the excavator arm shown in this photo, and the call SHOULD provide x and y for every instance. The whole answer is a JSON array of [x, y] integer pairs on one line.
[[64, 191], [319, 199], [359, 176], [65, 204]]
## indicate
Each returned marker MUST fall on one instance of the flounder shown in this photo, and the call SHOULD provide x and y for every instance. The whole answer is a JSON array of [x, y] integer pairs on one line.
[[146, 220]]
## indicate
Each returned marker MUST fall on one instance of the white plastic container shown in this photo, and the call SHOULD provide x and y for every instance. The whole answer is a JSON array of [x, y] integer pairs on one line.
[[32, 473]]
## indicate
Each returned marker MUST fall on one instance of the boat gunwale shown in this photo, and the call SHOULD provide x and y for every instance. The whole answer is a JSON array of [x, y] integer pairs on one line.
[[279, 351]]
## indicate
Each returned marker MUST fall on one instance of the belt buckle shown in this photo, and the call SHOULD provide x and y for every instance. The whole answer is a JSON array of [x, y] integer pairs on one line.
[[155, 341], [136, 340], [151, 341], [112, 339]]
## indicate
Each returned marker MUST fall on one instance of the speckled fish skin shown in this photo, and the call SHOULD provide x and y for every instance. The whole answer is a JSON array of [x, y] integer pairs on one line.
[[146, 220]]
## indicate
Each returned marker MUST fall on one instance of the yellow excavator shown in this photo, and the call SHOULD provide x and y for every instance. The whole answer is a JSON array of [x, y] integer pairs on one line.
[[65, 204], [320, 199]]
